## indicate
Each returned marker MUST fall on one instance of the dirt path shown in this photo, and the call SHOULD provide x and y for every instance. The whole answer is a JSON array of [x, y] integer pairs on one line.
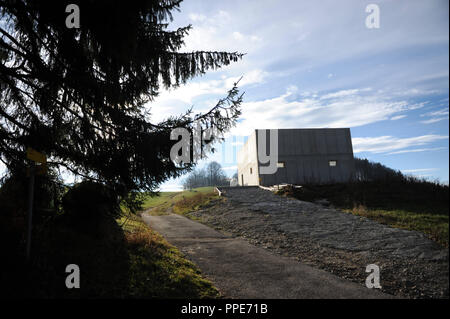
[[411, 265], [241, 270]]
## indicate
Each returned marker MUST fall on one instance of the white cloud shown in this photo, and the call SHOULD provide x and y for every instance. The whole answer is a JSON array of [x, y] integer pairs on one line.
[[394, 145], [251, 77], [437, 113], [305, 37], [344, 108], [176, 101], [397, 117], [434, 120], [418, 150], [435, 116], [343, 93], [255, 38], [238, 36], [213, 33], [197, 17]]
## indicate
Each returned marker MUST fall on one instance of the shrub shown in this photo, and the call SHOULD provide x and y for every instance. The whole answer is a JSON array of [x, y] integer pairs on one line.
[[90, 202], [48, 190], [14, 205]]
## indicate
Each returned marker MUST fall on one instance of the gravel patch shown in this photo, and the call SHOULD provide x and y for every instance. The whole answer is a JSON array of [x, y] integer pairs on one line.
[[410, 264]]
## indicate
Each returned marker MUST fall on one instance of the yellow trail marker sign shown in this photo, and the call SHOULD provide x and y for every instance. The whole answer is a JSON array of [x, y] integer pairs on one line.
[[36, 156]]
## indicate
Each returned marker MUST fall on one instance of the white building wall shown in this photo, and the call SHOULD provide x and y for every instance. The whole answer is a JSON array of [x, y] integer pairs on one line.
[[248, 163]]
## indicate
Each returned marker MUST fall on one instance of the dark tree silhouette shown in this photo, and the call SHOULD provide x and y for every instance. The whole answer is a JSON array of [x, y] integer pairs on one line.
[[78, 95], [366, 170]]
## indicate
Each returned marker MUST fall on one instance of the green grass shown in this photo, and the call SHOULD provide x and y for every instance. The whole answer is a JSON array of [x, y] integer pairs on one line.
[[153, 201], [158, 269], [191, 200], [179, 202], [160, 204], [433, 225]]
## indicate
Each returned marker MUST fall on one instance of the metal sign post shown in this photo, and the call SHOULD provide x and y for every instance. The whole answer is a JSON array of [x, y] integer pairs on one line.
[[30, 208], [34, 156]]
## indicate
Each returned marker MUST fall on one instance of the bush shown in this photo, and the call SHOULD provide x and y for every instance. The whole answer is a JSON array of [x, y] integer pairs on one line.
[[14, 205], [14, 191], [90, 202]]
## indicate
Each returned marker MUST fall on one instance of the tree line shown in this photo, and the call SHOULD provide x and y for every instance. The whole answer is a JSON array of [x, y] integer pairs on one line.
[[366, 170], [211, 175]]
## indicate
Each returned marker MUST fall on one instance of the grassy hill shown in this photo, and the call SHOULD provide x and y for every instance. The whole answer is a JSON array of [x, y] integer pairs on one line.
[[179, 202]]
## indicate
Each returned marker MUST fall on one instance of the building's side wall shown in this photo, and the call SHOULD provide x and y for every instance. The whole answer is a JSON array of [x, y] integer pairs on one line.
[[306, 154], [248, 163]]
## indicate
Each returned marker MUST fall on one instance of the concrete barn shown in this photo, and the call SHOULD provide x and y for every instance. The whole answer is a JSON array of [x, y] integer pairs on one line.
[[318, 156]]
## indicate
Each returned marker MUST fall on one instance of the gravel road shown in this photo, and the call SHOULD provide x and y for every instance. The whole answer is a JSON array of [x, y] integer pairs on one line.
[[410, 264]]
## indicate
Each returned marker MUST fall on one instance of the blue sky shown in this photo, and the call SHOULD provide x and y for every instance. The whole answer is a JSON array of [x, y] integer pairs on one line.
[[316, 64]]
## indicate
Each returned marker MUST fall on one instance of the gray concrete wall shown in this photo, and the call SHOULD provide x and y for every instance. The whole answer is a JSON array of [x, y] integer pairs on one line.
[[307, 153], [248, 163]]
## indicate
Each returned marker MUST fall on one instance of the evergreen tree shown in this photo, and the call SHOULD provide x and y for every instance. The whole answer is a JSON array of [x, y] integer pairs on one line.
[[78, 94]]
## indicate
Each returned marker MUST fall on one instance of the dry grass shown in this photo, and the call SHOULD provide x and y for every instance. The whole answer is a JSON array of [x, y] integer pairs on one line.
[[158, 269], [187, 204], [180, 202]]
